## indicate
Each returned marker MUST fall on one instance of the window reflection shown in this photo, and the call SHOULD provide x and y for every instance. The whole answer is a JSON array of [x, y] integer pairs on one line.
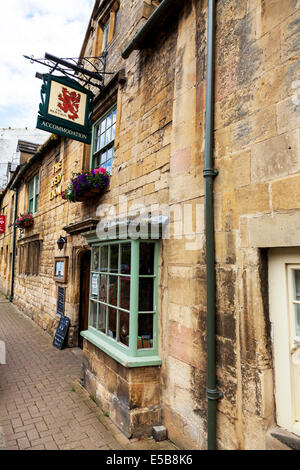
[[93, 314], [114, 258], [113, 290], [104, 259], [102, 318], [146, 294], [147, 258], [112, 322], [95, 259], [125, 258], [145, 331], [125, 293], [124, 328]]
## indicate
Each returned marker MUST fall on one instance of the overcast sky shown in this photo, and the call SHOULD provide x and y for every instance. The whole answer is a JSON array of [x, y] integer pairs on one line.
[[33, 27]]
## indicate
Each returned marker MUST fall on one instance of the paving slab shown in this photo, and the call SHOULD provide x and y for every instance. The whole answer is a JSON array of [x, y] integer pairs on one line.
[[42, 403]]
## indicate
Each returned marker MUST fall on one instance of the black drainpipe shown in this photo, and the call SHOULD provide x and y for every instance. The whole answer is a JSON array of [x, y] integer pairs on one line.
[[11, 298], [209, 174]]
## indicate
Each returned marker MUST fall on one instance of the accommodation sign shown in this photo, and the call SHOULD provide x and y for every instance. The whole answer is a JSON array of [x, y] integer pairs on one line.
[[66, 108]]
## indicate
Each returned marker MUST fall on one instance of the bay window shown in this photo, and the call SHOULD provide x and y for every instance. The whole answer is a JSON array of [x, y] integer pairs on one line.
[[123, 301]]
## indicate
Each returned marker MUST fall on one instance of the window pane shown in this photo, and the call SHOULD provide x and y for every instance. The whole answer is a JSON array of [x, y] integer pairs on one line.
[[114, 258], [125, 293], [146, 294], [36, 184], [103, 288], [109, 121], [108, 166], [297, 319], [95, 286], [112, 322], [109, 153], [30, 207], [297, 284], [93, 314], [107, 136], [104, 259], [114, 115], [145, 331], [102, 318], [125, 258], [95, 264], [124, 328], [36, 206], [30, 189], [103, 157], [113, 290], [147, 258], [102, 140], [103, 123]]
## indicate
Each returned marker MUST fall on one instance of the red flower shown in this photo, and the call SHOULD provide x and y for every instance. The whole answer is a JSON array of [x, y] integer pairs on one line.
[[100, 170]]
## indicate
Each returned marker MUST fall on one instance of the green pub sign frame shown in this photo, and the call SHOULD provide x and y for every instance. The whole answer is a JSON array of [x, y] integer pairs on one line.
[[56, 125]]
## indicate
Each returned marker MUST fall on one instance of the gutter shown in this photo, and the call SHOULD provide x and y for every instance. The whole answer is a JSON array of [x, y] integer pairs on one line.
[[209, 174], [161, 12], [14, 247]]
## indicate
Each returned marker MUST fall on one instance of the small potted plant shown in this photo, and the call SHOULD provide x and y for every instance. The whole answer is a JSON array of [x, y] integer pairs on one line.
[[85, 185], [24, 221]]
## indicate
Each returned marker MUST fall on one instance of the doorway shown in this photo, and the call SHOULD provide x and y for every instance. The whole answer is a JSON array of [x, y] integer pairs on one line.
[[284, 287], [85, 267]]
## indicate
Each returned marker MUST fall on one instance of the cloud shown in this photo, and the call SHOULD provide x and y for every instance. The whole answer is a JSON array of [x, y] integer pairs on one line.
[[33, 27]]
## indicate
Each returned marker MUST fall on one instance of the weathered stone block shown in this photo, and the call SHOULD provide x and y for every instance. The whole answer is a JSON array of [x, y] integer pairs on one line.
[[288, 113], [290, 31], [274, 158], [286, 193], [160, 433]]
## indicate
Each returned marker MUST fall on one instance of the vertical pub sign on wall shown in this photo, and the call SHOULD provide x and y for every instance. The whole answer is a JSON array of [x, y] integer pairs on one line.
[[66, 108], [2, 223]]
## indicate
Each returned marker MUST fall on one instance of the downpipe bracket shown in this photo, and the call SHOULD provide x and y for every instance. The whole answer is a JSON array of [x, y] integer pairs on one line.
[[210, 172], [214, 394]]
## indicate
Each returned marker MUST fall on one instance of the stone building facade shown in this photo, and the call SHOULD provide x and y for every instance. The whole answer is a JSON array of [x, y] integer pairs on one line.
[[150, 367]]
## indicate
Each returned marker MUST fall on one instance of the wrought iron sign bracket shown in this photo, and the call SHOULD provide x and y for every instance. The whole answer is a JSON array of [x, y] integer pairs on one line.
[[87, 70]]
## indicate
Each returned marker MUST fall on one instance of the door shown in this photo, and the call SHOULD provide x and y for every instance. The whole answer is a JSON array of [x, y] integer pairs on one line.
[[284, 290], [294, 322], [85, 267]]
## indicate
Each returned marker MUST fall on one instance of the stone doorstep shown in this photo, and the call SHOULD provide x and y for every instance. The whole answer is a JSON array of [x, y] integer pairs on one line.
[[289, 440]]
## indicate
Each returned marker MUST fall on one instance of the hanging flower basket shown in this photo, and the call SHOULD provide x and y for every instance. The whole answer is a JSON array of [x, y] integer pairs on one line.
[[24, 221], [86, 185]]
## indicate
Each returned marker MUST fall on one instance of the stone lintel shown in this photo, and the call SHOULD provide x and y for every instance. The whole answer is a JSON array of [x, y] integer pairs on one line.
[[83, 226], [272, 230]]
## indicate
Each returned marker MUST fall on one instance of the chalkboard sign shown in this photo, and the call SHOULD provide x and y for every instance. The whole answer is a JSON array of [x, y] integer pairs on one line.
[[60, 301], [61, 332]]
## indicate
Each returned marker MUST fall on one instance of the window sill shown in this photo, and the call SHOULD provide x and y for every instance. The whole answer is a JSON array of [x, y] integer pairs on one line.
[[121, 357]]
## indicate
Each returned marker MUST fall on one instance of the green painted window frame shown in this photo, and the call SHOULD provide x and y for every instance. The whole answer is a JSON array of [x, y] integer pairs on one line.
[[33, 194], [129, 356], [102, 154]]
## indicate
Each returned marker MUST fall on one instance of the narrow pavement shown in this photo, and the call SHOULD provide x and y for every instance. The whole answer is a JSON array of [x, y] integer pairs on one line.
[[42, 404]]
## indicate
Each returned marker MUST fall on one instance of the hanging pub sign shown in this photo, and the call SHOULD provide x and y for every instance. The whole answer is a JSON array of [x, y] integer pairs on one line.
[[66, 108], [2, 223]]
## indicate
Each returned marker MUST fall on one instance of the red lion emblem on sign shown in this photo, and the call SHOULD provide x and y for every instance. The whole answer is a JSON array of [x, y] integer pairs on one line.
[[70, 103]]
